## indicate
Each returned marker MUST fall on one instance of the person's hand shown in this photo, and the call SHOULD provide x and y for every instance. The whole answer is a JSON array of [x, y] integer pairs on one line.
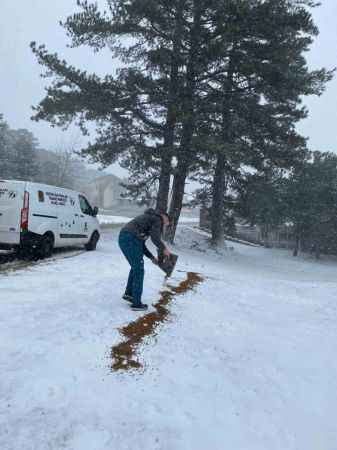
[[167, 253]]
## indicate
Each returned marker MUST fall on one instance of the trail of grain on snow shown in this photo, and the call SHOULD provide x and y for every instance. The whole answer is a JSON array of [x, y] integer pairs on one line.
[[124, 354]]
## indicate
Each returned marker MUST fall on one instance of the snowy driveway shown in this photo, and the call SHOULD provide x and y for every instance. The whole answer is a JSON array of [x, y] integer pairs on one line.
[[247, 361]]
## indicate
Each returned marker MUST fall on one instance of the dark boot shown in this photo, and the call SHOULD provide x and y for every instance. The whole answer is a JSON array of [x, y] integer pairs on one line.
[[127, 298], [139, 307]]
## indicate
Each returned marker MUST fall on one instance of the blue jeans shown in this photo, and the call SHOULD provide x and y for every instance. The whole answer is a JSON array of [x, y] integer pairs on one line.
[[132, 249]]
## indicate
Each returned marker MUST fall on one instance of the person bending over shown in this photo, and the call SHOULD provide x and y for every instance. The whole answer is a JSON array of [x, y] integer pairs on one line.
[[131, 241]]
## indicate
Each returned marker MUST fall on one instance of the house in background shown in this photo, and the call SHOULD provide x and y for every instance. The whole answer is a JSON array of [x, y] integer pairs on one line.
[[106, 192]]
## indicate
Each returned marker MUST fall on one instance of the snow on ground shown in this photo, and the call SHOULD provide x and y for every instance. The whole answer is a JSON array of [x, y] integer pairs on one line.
[[106, 219], [247, 361], [112, 219]]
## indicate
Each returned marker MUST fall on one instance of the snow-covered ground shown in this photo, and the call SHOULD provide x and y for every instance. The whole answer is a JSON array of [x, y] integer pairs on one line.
[[248, 361], [106, 219]]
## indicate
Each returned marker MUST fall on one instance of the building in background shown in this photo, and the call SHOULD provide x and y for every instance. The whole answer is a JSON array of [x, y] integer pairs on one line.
[[106, 192]]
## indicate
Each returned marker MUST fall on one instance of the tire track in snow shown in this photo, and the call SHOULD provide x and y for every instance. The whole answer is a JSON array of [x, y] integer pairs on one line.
[[14, 264]]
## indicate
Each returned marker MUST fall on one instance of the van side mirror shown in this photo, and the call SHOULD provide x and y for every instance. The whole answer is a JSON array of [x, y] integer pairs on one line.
[[95, 211]]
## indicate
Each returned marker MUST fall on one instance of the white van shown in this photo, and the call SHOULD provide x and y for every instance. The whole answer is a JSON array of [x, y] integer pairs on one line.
[[36, 218]]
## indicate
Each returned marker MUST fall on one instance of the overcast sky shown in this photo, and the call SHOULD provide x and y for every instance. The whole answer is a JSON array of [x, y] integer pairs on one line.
[[38, 20]]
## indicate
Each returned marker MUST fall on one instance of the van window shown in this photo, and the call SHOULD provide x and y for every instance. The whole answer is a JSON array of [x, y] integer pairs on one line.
[[41, 196], [85, 206]]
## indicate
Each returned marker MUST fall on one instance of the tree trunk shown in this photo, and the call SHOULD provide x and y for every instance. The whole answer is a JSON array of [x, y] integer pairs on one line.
[[185, 152], [297, 243], [218, 203], [178, 192], [171, 118], [164, 183], [316, 249], [266, 236], [219, 181]]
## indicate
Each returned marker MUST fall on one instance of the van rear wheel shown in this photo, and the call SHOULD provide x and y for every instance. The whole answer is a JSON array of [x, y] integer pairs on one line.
[[46, 246], [92, 244]]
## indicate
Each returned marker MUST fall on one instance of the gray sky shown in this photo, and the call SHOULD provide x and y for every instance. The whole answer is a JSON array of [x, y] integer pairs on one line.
[[38, 20]]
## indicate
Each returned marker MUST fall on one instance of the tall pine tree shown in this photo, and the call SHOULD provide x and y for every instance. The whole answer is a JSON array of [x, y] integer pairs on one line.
[[256, 86], [25, 145], [136, 111], [6, 150]]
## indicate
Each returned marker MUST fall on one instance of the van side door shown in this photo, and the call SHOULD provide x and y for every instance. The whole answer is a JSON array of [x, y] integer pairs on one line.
[[70, 223], [86, 218]]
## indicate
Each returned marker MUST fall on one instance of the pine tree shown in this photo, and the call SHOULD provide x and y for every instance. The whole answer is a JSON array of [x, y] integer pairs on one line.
[[136, 110], [311, 197], [6, 150], [194, 68], [217, 79], [25, 166], [261, 200], [257, 86], [161, 29], [146, 113], [247, 93]]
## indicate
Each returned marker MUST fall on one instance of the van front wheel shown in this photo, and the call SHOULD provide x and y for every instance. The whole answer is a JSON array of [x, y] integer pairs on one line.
[[46, 246], [92, 244]]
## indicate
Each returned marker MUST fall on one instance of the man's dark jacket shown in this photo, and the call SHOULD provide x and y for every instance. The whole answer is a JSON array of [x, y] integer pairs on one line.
[[149, 224]]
